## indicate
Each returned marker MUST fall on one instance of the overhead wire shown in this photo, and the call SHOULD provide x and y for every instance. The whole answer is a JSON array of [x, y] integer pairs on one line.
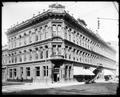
[[115, 6]]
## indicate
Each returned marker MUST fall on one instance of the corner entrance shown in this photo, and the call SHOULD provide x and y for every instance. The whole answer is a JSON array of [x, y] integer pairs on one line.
[[56, 76]]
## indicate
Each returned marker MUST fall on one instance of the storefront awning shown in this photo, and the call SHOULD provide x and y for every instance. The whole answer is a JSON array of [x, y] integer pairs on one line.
[[108, 72], [82, 71]]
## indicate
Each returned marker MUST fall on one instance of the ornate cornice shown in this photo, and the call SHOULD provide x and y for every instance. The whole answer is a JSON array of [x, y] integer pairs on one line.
[[48, 14]]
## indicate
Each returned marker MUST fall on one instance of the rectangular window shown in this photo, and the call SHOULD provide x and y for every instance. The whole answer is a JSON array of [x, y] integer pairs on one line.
[[36, 38], [65, 35], [20, 59], [46, 53], [10, 72], [54, 27], [54, 30], [47, 70], [59, 50], [44, 70], [24, 57], [28, 71], [41, 55], [54, 50], [37, 69], [30, 57], [59, 28], [36, 55], [15, 72]]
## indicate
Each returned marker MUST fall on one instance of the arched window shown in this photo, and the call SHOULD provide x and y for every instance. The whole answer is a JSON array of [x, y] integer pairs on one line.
[[46, 47], [30, 37], [46, 28], [24, 55], [35, 29], [54, 28], [30, 56], [24, 38], [15, 42], [46, 53], [36, 37], [59, 50], [59, 28], [20, 40], [54, 50], [41, 54], [70, 34], [40, 29], [36, 53]]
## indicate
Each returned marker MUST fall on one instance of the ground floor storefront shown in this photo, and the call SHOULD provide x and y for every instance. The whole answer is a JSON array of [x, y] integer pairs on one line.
[[46, 71]]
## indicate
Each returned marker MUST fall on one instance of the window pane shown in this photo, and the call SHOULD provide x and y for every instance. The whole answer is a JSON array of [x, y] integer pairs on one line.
[[28, 71], [44, 70], [54, 27], [59, 28], [37, 71]]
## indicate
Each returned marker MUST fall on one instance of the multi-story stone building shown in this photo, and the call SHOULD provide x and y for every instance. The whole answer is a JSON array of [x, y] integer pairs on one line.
[[50, 45], [4, 62]]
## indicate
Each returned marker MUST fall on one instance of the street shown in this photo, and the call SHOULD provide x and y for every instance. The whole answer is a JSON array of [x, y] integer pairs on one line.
[[84, 89]]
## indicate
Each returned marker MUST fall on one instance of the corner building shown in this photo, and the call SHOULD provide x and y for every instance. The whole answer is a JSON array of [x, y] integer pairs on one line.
[[48, 46]]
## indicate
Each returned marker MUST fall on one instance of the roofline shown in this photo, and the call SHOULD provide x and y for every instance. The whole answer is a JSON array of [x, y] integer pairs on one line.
[[73, 19]]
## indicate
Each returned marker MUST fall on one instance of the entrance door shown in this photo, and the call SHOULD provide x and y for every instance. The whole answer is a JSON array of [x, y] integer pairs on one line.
[[56, 77]]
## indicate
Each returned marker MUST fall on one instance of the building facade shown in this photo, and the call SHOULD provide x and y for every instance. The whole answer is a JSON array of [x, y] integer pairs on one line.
[[48, 46]]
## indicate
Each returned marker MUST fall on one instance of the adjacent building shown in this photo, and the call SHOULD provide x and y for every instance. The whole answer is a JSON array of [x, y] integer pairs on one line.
[[50, 46]]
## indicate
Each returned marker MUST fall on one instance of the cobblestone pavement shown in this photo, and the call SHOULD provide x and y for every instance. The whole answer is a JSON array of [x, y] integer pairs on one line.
[[73, 89]]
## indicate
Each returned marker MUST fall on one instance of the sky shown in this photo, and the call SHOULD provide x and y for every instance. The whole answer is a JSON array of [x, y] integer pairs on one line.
[[16, 12]]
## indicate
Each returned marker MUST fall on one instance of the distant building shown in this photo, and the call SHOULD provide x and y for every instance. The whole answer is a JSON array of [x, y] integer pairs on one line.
[[50, 46]]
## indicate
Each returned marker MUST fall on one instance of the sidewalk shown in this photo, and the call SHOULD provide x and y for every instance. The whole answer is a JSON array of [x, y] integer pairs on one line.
[[30, 86], [103, 81]]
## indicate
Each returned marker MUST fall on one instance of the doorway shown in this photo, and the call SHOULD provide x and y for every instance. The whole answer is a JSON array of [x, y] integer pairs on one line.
[[56, 77]]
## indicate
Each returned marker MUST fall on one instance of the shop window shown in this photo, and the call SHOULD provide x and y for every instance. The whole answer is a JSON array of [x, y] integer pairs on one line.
[[28, 71], [10, 72], [44, 70], [47, 70], [15, 72], [37, 71]]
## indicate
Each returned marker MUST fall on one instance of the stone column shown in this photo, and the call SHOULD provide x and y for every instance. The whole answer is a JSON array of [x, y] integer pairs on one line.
[[32, 72], [18, 73], [24, 73]]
